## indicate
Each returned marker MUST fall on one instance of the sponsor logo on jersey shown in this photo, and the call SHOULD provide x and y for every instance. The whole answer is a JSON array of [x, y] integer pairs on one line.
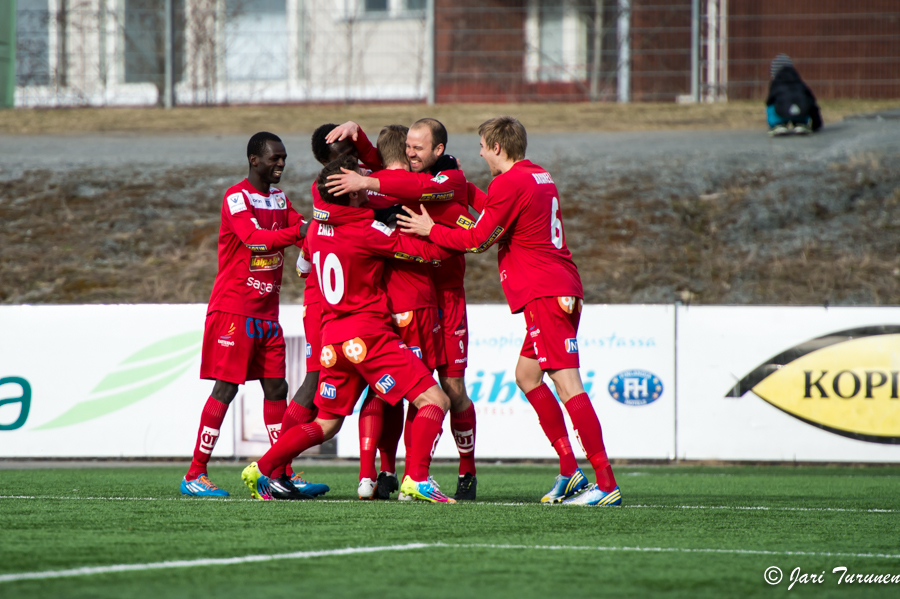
[[461, 360], [568, 303], [385, 384], [256, 248], [256, 223], [274, 431], [436, 329], [405, 256], [460, 331], [571, 346], [280, 200], [262, 287], [321, 214], [846, 382], [417, 351], [542, 178], [266, 261], [382, 227], [535, 333], [208, 438], [488, 242], [231, 330], [465, 222], [327, 391], [355, 350], [326, 230], [635, 387], [309, 350], [441, 196], [465, 440], [225, 343], [440, 178], [236, 203], [402, 319], [328, 357]]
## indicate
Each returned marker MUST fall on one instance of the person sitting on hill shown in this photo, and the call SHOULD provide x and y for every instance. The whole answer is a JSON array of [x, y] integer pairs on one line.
[[791, 106]]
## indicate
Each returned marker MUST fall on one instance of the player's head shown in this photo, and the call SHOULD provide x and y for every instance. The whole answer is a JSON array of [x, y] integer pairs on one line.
[[353, 198], [503, 139], [392, 146], [326, 152], [425, 143], [266, 155]]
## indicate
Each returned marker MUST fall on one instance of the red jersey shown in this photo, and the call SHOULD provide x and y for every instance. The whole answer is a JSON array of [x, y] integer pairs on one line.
[[522, 208], [255, 228], [348, 254]]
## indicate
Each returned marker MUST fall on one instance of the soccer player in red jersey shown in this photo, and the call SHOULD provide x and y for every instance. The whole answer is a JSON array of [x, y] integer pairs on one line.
[[539, 278], [242, 339], [435, 178], [358, 347]]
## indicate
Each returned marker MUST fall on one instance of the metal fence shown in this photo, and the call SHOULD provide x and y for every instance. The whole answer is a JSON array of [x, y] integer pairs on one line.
[[145, 52]]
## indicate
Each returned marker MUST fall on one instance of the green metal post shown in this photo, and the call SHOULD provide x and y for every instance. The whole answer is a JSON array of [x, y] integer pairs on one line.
[[7, 53]]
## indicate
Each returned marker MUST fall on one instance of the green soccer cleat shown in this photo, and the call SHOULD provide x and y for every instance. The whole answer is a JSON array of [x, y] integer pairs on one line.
[[257, 482], [426, 490]]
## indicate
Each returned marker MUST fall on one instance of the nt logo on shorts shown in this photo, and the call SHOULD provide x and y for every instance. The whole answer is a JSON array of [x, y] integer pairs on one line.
[[385, 384], [327, 391], [572, 346], [309, 350]]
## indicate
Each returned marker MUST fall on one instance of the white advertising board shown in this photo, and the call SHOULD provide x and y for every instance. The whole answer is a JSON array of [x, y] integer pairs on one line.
[[808, 383], [116, 381], [623, 347]]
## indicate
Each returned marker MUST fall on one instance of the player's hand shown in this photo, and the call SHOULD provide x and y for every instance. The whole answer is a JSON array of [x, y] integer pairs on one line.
[[416, 224], [348, 129], [338, 185]]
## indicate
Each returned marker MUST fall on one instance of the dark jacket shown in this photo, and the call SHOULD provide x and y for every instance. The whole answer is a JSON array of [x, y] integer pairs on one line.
[[787, 90]]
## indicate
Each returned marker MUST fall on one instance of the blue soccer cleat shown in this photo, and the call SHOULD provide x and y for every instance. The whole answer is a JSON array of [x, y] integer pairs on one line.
[[304, 486], [427, 490], [565, 487], [201, 487], [257, 482], [594, 496]]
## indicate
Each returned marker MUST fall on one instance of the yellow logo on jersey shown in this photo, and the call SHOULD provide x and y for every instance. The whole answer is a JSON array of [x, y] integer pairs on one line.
[[464, 222]]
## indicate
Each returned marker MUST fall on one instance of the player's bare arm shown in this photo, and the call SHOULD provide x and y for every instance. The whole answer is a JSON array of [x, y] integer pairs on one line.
[[415, 224]]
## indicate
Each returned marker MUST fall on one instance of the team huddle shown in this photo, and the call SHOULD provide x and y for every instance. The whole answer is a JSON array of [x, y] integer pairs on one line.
[[384, 308]]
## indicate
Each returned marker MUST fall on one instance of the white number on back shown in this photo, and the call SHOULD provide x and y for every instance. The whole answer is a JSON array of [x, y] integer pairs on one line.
[[333, 292], [556, 232]]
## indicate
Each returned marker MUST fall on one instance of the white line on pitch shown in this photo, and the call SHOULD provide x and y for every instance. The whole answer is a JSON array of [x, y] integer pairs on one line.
[[500, 503], [86, 571]]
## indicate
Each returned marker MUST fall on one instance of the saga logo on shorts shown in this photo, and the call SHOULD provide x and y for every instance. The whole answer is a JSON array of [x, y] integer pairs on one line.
[[402, 319], [385, 384], [571, 346], [322, 215], [355, 350], [635, 387], [417, 351], [327, 391], [569, 304], [309, 350], [328, 357], [266, 262]]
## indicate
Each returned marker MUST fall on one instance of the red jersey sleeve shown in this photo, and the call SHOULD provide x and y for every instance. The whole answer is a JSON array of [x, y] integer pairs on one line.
[[391, 244], [423, 187], [476, 197], [240, 219], [497, 217], [366, 152]]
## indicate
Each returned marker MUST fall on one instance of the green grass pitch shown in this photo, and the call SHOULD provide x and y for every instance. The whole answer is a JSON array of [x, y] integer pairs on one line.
[[687, 531]]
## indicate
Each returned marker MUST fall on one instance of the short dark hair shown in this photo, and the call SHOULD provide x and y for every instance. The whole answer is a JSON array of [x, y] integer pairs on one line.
[[334, 168], [257, 144], [319, 146], [392, 144], [438, 131]]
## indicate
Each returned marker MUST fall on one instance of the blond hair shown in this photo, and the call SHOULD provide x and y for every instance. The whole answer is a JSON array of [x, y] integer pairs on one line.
[[392, 144], [508, 132]]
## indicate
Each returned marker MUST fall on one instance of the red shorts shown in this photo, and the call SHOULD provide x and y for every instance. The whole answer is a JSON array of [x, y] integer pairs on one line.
[[382, 362], [312, 329], [420, 330], [551, 338], [455, 325], [237, 349]]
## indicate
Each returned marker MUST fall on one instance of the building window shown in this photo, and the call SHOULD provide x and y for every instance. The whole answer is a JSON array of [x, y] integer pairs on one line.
[[256, 40], [415, 4], [556, 35], [375, 5], [32, 42], [144, 41]]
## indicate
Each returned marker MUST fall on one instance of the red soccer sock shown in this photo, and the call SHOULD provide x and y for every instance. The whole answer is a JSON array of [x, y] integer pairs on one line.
[[390, 436], [273, 414], [411, 412], [290, 445], [426, 431], [210, 424], [296, 414], [462, 425], [587, 425], [371, 421], [554, 424]]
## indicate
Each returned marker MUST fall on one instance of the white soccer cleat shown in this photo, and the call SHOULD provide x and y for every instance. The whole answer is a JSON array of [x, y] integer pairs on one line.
[[366, 488]]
